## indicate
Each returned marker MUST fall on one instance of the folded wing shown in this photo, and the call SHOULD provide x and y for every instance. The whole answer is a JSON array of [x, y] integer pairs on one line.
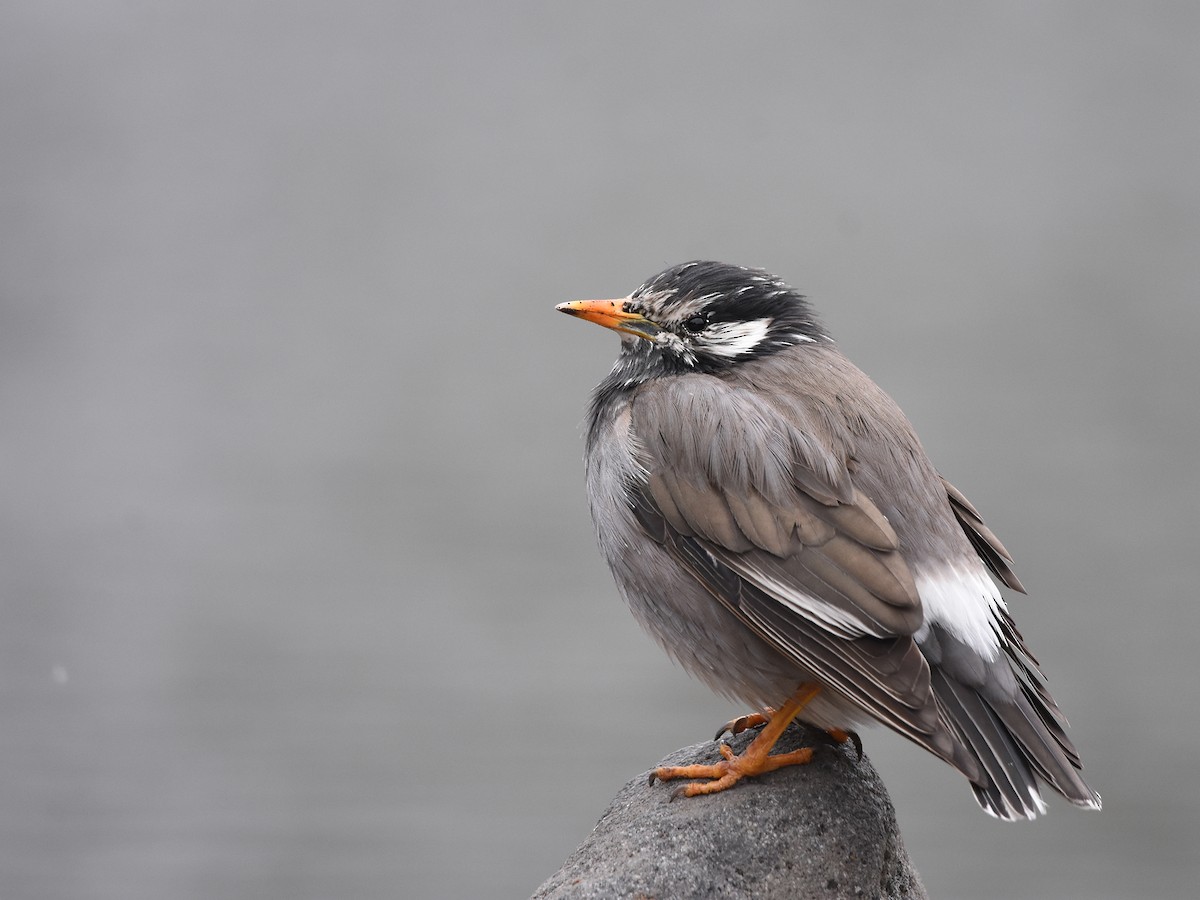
[[764, 512]]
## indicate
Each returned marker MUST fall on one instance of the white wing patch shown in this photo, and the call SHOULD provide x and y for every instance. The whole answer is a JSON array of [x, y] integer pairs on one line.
[[827, 615], [964, 602], [735, 338]]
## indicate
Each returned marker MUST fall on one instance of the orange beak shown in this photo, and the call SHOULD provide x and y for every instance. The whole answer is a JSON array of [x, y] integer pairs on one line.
[[611, 314]]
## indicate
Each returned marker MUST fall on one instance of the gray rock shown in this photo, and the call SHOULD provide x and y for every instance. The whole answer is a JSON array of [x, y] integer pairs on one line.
[[825, 830]]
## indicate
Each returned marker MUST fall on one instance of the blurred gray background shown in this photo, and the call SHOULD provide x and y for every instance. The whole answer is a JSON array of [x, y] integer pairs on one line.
[[300, 597]]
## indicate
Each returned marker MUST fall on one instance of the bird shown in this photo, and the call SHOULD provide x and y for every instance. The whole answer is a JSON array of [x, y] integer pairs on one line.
[[773, 521]]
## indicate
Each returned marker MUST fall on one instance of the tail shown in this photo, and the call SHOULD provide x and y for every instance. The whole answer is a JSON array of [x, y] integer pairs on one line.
[[1009, 725]]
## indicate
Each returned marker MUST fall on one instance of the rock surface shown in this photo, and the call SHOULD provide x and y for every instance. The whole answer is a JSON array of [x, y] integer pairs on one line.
[[824, 830]]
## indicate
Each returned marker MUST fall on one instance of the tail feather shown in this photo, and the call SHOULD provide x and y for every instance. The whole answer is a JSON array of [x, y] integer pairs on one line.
[[1034, 719], [1047, 747], [1008, 789], [997, 704], [1017, 742]]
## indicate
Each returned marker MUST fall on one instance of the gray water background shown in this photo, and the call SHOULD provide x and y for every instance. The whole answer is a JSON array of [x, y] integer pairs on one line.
[[299, 594]]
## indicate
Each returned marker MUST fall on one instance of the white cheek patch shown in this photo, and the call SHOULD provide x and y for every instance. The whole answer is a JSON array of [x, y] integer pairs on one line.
[[735, 338]]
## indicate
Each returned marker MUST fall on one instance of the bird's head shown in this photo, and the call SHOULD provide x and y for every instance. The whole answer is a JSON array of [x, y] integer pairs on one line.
[[702, 316]]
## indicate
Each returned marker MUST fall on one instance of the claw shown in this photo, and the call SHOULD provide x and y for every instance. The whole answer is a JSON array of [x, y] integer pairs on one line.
[[840, 736], [741, 723], [857, 745]]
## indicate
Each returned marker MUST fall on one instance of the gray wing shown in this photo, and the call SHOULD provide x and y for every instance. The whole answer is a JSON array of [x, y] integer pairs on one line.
[[764, 512], [986, 544]]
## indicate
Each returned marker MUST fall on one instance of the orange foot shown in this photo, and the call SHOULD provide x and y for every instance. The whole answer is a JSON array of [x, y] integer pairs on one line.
[[753, 720], [755, 759]]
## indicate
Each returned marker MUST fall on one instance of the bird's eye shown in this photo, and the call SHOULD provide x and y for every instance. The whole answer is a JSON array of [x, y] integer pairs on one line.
[[695, 323]]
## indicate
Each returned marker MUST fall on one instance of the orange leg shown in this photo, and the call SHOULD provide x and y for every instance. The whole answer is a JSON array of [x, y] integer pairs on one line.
[[755, 759]]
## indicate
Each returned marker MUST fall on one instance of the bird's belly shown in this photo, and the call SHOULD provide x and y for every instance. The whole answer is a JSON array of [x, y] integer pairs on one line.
[[712, 643]]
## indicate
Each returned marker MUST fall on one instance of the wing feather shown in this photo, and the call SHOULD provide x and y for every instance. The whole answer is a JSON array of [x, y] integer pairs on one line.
[[764, 512], [985, 542], [759, 522]]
